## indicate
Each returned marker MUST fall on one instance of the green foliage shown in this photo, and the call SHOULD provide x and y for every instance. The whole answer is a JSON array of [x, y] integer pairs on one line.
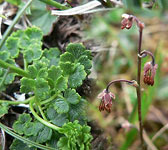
[[4, 109], [19, 145], [34, 130], [76, 137], [52, 78], [41, 17], [14, 2]]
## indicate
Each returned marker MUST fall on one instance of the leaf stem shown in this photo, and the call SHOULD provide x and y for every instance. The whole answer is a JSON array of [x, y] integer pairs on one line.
[[13, 68], [41, 111], [16, 19], [40, 119], [23, 139], [49, 99], [17, 102], [55, 4]]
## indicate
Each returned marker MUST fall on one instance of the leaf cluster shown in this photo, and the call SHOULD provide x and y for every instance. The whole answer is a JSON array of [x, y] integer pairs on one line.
[[49, 74]]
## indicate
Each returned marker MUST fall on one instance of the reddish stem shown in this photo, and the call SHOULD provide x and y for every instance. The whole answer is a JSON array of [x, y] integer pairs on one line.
[[119, 80]]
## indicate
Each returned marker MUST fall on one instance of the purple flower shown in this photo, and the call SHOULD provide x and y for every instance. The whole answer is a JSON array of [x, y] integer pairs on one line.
[[126, 22], [149, 73], [106, 100]]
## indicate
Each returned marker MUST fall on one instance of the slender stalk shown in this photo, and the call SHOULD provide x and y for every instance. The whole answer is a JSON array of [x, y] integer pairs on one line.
[[16, 19], [49, 100], [41, 111], [133, 83], [139, 90], [144, 53], [55, 4], [13, 68], [42, 120], [17, 102]]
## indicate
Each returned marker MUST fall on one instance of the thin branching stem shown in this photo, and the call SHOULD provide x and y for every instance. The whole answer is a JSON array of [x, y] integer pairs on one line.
[[133, 82], [139, 90], [48, 124], [144, 53], [14, 69]]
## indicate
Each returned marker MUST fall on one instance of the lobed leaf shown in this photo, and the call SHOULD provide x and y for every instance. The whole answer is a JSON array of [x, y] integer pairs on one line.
[[55, 118], [4, 109], [61, 105], [27, 85], [19, 145], [61, 83], [18, 125], [12, 45], [77, 77], [71, 96]]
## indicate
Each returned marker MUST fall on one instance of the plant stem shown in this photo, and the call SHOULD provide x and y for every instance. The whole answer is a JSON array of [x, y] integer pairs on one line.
[[49, 100], [23, 139], [12, 68], [147, 53], [133, 82], [16, 19], [139, 90], [40, 119], [55, 4], [41, 111], [17, 102]]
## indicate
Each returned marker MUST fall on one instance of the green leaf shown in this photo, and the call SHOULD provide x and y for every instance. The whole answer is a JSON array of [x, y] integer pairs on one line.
[[42, 73], [67, 57], [27, 85], [12, 45], [71, 96], [44, 135], [4, 109], [77, 77], [33, 52], [61, 105], [52, 55], [41, 17], [4, 55], [34, 33], [75, 49], [14, 2], [54, 73], [41, 88], [18, 125], [67, 67], [83, 60], [19, 145], [55, 118], [78, 112], [32, 71], [28, 129], [61, 83], [76, 136]]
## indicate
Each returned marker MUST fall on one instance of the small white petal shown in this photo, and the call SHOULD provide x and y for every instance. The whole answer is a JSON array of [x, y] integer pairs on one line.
[[126, 16]]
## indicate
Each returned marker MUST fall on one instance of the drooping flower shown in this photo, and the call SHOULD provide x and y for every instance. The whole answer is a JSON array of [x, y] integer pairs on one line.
[[127, 21], [149, 73], [106, 100]]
